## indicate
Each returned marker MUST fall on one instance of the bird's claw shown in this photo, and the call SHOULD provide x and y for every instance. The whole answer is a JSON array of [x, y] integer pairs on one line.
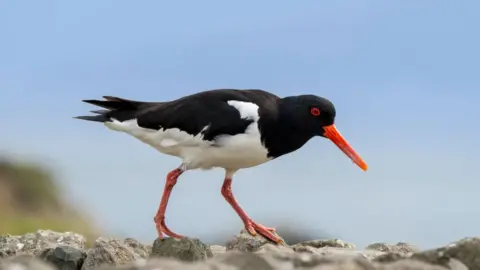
[[253, 228]]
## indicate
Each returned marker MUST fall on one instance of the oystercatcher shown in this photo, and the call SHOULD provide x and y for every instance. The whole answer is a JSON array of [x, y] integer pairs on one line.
[[226, 128]]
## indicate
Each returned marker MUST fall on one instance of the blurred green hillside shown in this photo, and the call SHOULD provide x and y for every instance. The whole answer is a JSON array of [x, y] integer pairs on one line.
[[30, 199]]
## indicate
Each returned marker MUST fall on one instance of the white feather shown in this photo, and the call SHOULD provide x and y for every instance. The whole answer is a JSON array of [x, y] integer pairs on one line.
[[247, 110], [230, 152]]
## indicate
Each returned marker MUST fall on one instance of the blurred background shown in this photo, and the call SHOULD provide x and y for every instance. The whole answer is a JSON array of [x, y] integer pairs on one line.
[[404, 76]]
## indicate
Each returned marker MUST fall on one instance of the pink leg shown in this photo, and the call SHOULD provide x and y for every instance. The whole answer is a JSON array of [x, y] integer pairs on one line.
[[160, 216], [251, 226]]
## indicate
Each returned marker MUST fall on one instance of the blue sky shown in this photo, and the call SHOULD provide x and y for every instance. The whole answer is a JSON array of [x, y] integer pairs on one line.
[[402, 74]]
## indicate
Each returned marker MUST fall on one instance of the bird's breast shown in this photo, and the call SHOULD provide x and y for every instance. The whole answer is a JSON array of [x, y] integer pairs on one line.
[[238, 151]]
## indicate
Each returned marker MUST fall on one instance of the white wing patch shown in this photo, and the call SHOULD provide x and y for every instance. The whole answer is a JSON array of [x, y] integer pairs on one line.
[[247, 110], [231, 152]]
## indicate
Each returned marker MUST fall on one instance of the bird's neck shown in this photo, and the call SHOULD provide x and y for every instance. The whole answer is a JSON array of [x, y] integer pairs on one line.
[[284, 134]]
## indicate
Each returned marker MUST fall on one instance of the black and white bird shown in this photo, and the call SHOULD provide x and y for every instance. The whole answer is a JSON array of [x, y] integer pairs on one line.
[[224, 128]]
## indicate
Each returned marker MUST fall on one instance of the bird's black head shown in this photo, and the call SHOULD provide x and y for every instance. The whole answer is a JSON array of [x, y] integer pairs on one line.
[[309, 113], [315, 116]]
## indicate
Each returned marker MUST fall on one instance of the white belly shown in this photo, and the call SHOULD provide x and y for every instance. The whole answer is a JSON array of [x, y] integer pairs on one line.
[[229, 152]]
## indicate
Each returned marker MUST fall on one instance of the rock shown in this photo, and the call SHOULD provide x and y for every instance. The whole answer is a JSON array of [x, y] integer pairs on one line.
[[409, 265], [217, 250], [184, 249], [113, 252], [391, 257], [246, 242], [464, 254], [466, 251], [330, 251], [273, 248], [10, 245], [336, 243], [400, 247], [47, 250], [24, 262], [143, 251], [236, 260], [334, 247], [320, 262], [244, 260], [64, 257], [35, 243], [455, 264], [391, 253], [170, 264]]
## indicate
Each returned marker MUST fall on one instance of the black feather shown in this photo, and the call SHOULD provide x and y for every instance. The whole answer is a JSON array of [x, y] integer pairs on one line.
[[117, 108], [100, 111], [191, 114], [94, 118]]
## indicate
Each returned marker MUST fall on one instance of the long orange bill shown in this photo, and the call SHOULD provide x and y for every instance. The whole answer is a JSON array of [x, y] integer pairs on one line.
[[334, 135]]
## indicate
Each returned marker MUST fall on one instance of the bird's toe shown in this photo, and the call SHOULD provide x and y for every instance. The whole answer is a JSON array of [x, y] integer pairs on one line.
[[253, 228]]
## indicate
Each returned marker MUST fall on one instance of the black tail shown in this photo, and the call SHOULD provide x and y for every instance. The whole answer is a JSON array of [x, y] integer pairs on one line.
[[117, 108]]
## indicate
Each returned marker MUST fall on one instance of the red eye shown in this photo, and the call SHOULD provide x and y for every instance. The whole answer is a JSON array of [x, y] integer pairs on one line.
[[315, 111]]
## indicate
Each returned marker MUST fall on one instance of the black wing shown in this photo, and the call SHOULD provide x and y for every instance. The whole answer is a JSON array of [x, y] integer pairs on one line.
[[191, 114]]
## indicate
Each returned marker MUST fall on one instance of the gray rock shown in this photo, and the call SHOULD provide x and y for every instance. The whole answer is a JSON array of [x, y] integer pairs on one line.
[[170, 264], [246, 242], [113, 252], [184, 249], [400, 247], [217, 250], [466, 251], [464, 254], [143, 251], [64, 257], [407, 264], [274, 248], [235, 260], [24, 262], [330, 251], [455, 264], [315, 261], [391, 257], [10, 245], [35, 243], [244, 261], [335, 243], [66, 251], [334, 247]]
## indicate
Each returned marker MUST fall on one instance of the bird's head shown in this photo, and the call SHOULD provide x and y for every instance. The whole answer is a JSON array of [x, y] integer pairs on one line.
[[316, 116]]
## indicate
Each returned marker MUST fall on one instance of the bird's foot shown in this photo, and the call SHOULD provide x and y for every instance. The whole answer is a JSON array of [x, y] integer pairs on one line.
[[163, 229], [253, 228]]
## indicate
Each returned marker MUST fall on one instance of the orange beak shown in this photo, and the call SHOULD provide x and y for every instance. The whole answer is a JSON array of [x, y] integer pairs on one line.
[[334, 135]]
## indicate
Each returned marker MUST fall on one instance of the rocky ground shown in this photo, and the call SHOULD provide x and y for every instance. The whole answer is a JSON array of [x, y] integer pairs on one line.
[[49, 250]]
